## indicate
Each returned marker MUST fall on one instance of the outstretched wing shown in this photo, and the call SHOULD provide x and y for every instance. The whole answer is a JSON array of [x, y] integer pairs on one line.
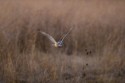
[[66, 34], [49, 36]]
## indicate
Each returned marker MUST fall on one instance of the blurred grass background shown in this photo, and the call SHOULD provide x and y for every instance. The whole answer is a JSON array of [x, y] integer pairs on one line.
[[92, 53]]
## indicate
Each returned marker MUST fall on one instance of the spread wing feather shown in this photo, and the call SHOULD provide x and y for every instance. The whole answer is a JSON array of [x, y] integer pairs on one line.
[[66, 34], [49, 37]]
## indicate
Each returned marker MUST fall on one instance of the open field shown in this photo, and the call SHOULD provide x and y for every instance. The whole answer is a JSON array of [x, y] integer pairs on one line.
[[93, 52]]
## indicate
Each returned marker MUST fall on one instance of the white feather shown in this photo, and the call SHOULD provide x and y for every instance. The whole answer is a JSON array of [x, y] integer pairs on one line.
[[49, 37], [66, 34]]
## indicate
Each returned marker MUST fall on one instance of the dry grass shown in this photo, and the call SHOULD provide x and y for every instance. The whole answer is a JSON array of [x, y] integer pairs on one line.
[[92, 53]]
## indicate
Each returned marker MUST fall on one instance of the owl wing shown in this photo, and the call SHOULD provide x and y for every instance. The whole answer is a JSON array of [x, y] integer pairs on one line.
[[49, 37]]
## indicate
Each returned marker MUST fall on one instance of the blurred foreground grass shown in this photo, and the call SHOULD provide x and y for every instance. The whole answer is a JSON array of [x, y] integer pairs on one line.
[[92, 53]]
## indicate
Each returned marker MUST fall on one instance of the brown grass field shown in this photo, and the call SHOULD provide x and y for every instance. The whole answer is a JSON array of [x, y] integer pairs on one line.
[[94, 51]]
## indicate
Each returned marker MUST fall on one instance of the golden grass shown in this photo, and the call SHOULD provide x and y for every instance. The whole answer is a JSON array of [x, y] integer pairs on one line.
[[92, 53]]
